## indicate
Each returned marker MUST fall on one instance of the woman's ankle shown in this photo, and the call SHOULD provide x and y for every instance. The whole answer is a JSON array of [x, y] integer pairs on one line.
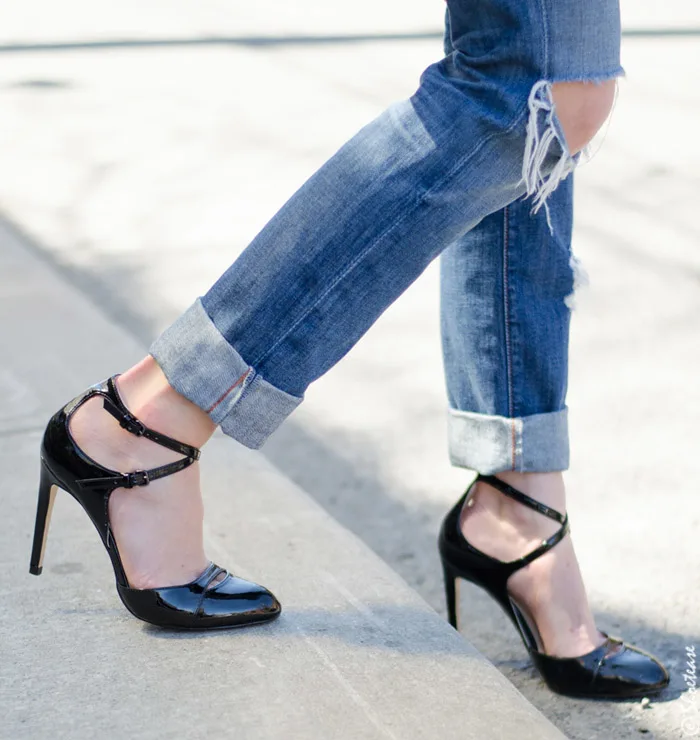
[[491, 516], [145, 391]]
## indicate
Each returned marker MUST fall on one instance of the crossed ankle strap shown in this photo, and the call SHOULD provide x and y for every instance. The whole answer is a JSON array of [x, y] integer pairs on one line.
[[531, 503], [115, 406]]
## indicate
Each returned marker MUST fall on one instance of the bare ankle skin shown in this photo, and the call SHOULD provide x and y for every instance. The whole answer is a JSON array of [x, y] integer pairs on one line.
[[148, 395]]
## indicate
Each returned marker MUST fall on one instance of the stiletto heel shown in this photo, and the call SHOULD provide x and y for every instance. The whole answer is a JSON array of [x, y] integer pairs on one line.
[[47, 495], [451, 596], [215, 600], [614, 670]]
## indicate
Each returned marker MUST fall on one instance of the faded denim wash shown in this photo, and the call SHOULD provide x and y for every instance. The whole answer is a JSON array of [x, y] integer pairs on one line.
[[479, 133], [504, 293]]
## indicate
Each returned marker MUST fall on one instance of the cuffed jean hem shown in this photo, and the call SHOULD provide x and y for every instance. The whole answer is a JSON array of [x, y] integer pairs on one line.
[[495, 444], [203, 367]]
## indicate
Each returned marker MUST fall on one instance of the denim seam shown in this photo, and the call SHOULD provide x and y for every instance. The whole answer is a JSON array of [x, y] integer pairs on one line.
[[506, 328], [358, 259], [545, 39], [234, 386], [248, 380], [483, 442]]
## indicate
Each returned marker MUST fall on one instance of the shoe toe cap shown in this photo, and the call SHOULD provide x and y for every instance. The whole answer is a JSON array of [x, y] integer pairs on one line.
[[629, 669], [612, 671], [237, 601]]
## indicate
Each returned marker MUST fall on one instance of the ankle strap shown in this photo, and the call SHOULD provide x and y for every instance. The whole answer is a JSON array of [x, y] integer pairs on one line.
[[524, 499], [115, 406], [521, 498], [137, 477]]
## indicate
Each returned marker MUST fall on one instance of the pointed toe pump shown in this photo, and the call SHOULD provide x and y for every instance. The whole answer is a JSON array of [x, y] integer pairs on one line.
[[614, 670], [215, 600]]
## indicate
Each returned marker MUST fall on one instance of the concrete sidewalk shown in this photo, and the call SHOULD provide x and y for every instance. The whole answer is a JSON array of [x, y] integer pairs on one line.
[[141, 172], [356, 653]]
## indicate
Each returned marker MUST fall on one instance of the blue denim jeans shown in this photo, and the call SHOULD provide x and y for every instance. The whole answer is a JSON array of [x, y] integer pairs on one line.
[[444, 171], [504, 316]]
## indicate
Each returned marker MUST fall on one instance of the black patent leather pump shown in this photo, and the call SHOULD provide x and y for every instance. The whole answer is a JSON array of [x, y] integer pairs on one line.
[[205, 603], [612, 671]]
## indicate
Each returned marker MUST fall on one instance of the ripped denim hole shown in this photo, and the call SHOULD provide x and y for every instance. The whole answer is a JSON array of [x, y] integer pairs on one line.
[[581, 280], [542, 132]]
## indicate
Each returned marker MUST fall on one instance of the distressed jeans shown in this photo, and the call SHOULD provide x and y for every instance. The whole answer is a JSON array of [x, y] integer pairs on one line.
[[505, 290], [442, 172]]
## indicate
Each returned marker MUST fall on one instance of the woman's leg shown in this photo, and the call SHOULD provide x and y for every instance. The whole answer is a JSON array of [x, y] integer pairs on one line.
[[505, 328], [479, 132], [505, 293], [505, 290], [505, 287]]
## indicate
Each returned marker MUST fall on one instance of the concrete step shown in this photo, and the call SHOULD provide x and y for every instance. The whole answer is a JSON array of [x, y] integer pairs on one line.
[[356, 654]]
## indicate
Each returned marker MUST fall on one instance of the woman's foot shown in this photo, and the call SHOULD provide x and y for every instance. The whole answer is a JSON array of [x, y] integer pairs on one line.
[[550, 589], [157, 528]]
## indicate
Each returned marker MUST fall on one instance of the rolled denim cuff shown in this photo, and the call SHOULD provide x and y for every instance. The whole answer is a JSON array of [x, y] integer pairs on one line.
[[494, 444], [203, 367]]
